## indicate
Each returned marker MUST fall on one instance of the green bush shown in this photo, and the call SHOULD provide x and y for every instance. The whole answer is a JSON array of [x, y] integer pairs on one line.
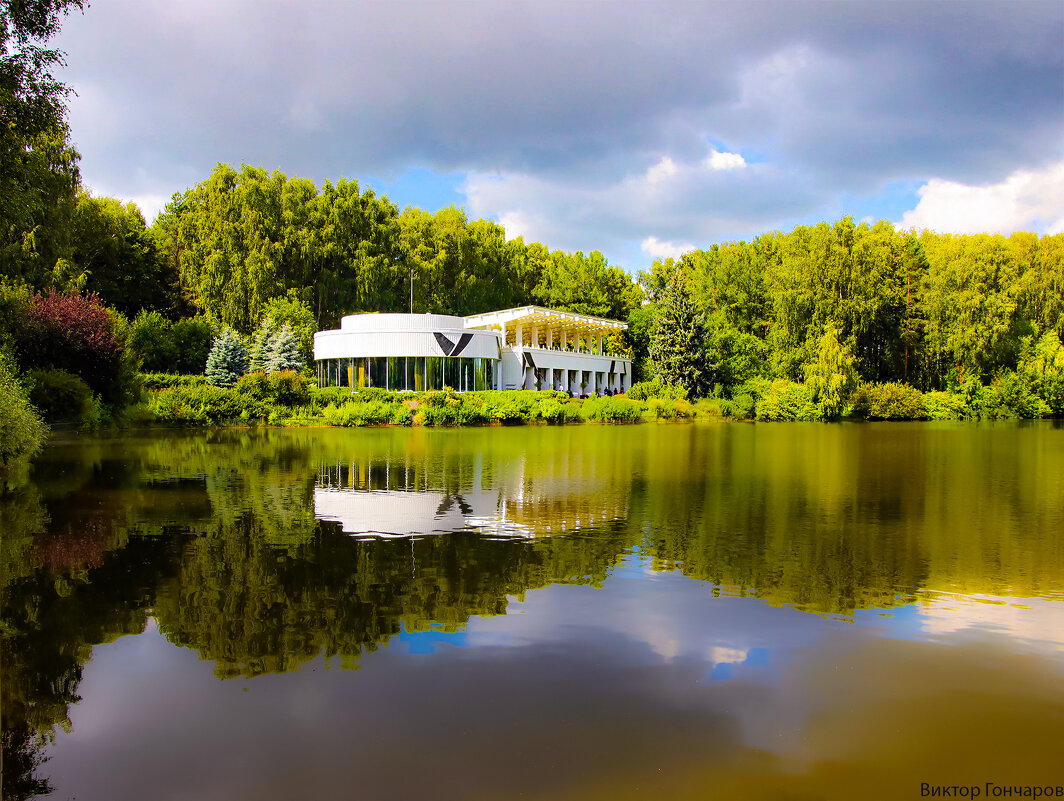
[[607, 409], [60, 396], [255, 386], [659, 409], [571, 411], [151, 342], [472, 412], [22, 431], [892, 401], [786, 400], [683, 408], [440, 399], [440, 415], [513, 406], [154, 381], [288, 388], [550, 409], [944, 406], [1016, 399], [401, 415], [656, 389], [192, 340], [202, 405]]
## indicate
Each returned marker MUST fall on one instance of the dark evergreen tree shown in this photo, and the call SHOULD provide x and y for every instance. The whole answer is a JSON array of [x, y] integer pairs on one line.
[[678, 346], [228, 360]]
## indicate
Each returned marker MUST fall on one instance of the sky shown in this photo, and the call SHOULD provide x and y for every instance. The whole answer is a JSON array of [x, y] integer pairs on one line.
[[640, 129]]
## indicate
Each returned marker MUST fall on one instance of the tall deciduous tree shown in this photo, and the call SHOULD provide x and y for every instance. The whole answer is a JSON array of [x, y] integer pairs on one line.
[[38, 169], [118, 255], [832, 377]]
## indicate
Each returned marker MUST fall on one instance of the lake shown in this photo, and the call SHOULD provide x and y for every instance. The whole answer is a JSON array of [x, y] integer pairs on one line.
[[756, 611]]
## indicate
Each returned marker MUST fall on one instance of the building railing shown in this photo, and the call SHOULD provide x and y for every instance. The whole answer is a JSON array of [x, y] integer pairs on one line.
[[572, 350]]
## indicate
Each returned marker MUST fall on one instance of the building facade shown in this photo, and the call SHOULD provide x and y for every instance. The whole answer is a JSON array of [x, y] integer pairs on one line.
[[525, 348]]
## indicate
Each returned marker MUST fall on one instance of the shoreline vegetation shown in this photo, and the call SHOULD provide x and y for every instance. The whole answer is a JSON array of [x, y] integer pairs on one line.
[[286, 399], [826, 323], [831, 321]]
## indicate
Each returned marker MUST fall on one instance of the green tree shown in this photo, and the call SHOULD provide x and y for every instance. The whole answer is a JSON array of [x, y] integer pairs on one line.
[[227, 361], [118, 255], [296, 314], [38, 169], [1042, 368], [832, 377], [192, 340], [151, 342], [678, 347], [22, 432], [587, 285], [259, 351], [283, 352]]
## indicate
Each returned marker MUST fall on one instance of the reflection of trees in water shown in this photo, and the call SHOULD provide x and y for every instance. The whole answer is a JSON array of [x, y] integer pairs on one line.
[[50, 625], [250, 610], [216, 535]]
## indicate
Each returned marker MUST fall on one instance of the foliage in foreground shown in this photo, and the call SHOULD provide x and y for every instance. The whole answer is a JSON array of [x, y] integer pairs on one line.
[[22, 432]]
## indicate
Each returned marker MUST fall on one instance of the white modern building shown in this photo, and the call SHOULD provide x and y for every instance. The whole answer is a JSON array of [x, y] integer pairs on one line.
[[525, 348]]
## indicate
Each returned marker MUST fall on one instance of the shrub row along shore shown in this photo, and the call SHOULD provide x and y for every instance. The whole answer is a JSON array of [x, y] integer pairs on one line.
[[285, 398]]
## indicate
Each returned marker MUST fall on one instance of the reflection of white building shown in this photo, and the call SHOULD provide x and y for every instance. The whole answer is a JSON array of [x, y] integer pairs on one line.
[[525, 348], [385, 498], [399, 514]]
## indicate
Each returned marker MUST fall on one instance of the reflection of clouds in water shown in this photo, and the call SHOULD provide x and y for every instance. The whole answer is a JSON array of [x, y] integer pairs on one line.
[[677, 619], [1035, 620], [589, 715]]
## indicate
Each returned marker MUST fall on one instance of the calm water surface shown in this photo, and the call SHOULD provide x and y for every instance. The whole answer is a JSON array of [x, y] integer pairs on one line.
[[685, 611]]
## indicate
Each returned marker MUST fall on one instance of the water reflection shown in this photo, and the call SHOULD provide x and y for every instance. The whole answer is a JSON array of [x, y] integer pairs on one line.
[[273, 552], [503, 496]]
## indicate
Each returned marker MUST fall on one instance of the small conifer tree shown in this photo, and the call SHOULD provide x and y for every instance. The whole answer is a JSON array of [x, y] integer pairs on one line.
[[283, 353], [227, 361], [259, 351], [678, 347]]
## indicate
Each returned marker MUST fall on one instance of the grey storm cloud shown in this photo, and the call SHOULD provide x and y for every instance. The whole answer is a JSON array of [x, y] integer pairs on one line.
[[845, 96]]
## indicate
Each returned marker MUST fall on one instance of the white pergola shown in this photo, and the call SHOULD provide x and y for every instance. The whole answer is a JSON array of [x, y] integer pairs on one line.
[[550, 329]]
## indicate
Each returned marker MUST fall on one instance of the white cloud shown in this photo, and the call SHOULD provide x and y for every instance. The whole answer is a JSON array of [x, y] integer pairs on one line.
[[1026, 200], [657, 249], [663, 212], [724, 161], [662, 170], [1035, 620], [574, 115]]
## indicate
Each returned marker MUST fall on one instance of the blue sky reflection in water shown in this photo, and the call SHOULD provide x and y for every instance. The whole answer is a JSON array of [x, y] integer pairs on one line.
[[672, 648]]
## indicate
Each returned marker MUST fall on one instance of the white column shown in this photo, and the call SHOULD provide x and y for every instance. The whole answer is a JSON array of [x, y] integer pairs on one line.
[[565, 339], [520, 336], [600, 344], [550, 338], [535, 336]]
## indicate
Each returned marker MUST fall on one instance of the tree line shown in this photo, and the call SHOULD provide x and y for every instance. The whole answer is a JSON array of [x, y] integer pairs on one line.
[[853, 303], [824, 307]]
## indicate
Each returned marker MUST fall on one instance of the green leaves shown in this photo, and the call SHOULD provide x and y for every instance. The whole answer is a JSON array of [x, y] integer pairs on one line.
[[832, 377], [678, 346], [22, 432], [227, 361]]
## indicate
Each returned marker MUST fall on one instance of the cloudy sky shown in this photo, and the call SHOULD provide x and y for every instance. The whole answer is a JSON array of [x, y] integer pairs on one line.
[[641, 129]]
